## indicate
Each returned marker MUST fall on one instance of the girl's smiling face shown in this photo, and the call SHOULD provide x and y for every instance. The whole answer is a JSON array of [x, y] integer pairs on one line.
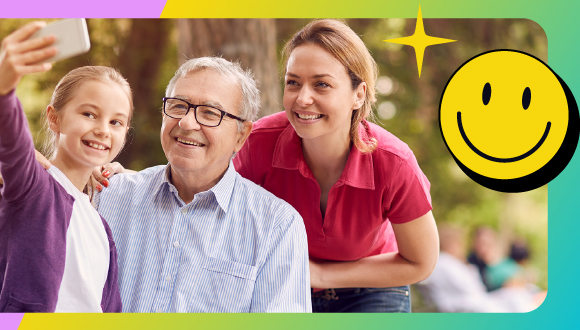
[[318, 94], [92, 126]]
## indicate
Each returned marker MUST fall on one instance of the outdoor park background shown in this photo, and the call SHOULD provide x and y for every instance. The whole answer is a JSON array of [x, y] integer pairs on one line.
[[147, 53]]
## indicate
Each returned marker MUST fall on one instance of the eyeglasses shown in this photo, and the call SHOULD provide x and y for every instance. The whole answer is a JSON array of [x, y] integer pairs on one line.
[[205, 115]]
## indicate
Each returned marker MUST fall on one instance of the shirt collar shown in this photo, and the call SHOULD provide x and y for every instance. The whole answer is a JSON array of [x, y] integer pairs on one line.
[[163, 180], [222, 190], [358, 171]]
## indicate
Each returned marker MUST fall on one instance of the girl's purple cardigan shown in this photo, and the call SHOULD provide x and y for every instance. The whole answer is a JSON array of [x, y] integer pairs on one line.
[[35, 212]]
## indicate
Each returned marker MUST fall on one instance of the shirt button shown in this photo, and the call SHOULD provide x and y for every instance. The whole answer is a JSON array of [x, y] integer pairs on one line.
[[159, 310], [168, 278], [184, 211], [176, 244]]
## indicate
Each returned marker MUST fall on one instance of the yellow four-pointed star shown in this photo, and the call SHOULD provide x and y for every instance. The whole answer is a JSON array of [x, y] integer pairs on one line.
[[419, 40]]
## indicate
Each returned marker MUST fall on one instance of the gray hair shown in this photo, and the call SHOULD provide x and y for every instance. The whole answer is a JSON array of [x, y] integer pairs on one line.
[[250, 103]]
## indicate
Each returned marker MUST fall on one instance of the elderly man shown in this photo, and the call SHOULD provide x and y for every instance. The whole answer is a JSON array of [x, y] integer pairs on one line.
[[193, 235]]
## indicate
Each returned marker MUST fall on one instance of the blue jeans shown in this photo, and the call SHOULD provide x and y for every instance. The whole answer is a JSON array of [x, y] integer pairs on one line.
[[366, 300]]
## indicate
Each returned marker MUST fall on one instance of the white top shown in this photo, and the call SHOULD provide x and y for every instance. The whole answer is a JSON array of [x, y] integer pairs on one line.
[[455, 286], [87, 254]]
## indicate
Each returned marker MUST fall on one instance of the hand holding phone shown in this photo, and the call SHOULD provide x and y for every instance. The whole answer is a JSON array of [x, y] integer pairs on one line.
[[72, 37], [21, 55]]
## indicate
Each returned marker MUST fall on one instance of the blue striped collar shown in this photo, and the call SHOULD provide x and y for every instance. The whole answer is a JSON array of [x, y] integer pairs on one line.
[[222, 190]]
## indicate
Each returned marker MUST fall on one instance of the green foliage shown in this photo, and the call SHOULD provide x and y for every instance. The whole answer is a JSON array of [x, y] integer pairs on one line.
[[456, 198], [408, 109]]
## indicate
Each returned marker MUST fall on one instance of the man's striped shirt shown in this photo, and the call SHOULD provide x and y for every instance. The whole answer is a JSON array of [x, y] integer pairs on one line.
[[234, 248]]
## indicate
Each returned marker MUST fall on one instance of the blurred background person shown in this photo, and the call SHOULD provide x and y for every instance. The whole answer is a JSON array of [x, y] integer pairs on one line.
[[484, 246], [455, 285]]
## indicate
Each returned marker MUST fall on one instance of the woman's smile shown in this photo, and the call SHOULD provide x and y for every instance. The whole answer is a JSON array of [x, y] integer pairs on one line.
[[318, 94], [308, 117]]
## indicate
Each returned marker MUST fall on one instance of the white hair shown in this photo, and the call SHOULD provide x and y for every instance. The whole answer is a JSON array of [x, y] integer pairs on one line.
[[250, 103]]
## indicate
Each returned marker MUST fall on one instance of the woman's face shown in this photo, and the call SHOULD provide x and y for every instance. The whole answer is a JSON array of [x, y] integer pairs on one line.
[[318, 94]]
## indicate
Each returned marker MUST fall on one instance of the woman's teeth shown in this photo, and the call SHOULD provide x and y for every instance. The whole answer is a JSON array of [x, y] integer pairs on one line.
[[189, 142], [308, 117]]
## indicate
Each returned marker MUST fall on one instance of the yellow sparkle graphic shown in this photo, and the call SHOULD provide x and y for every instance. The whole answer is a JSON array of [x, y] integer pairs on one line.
[[419, 40]]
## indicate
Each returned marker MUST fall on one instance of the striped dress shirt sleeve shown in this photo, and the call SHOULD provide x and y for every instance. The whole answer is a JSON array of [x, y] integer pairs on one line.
[[280, 283]]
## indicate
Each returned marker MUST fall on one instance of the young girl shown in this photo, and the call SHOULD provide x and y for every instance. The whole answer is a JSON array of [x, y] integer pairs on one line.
[[56, 252]]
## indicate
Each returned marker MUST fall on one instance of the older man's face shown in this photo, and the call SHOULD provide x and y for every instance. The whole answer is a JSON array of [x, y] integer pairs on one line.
[[190, 147]]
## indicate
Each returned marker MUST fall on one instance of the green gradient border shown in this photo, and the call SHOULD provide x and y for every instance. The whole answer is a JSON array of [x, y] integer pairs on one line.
[[558, 18]]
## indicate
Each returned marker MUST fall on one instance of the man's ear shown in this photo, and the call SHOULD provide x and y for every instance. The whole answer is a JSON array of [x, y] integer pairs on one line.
[[52, 118], [243, 135], [359, 95]]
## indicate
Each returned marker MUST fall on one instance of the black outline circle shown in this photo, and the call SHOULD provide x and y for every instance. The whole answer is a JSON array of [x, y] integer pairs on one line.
[[547, 172]]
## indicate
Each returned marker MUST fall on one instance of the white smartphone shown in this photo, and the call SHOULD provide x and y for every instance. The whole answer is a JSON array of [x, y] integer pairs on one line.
[[72, 37]]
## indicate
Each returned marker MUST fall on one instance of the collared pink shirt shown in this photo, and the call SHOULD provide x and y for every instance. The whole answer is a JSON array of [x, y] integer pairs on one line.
[[375, 189]]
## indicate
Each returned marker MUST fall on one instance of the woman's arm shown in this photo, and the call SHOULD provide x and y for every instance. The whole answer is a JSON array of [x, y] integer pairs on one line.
[[418, 243], [105, 172]]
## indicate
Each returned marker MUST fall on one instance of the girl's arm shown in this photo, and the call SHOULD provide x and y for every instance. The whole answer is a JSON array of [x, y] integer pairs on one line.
[[18, 56], [39, 158], [418, 243]]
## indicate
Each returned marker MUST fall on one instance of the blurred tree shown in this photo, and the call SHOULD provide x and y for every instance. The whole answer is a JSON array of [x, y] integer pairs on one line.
[[414, 113], [250, 41], [140, 60]]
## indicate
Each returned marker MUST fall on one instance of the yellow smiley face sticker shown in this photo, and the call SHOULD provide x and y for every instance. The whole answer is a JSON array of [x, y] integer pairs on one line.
[[509, 121]]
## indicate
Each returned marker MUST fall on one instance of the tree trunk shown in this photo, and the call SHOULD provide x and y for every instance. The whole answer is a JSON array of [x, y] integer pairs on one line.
[[140, 61], [252, 42]]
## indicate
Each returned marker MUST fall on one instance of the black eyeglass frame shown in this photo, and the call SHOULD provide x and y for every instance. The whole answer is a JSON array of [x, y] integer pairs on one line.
[[194, 106]]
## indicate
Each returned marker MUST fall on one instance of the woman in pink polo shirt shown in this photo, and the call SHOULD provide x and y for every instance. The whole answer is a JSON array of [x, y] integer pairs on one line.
[[364, 200]]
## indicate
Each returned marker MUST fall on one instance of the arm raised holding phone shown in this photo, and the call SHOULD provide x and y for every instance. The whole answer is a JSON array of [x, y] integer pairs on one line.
[[51, 235], [21, 55], [34, 47]]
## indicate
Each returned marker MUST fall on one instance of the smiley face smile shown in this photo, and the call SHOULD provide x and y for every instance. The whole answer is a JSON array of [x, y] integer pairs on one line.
[[501, 160]]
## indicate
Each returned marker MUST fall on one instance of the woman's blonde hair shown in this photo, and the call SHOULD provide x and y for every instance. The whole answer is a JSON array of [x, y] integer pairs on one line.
[[346, 46], [66, 89]]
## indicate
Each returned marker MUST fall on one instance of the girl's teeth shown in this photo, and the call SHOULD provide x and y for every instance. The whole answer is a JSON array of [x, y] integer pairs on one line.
[[308, 117], [97, 146]]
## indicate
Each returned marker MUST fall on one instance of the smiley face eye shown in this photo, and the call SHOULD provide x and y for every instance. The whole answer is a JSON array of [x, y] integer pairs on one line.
[[526, 98], [486, 95]]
